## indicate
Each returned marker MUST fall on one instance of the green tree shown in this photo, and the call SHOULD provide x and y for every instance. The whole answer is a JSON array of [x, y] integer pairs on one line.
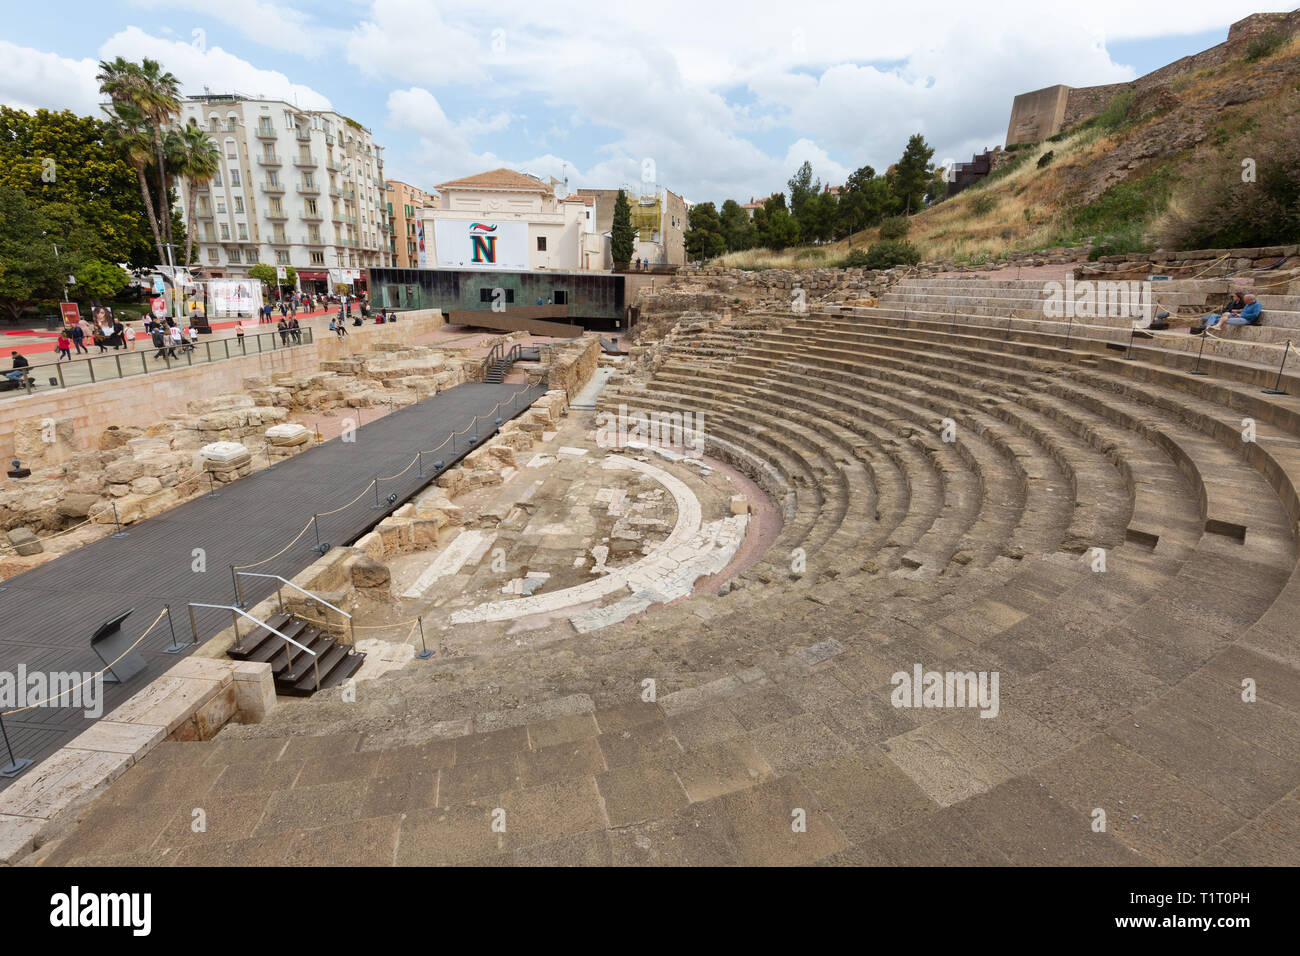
[[97, 279], [912, 173], [268, 276], [59, 157], [622, 238], [704, 240], [737, 229], [154, 95], [37, 250], [197, 160], [127, 133], [802, 188], [782, 229]]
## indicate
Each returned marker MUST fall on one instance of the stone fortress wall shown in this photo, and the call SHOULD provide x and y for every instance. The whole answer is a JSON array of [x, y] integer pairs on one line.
[[1043, 113]]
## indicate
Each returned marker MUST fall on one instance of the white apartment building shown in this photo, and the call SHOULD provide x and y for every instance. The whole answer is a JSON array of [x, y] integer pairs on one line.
[[508, 220], [296, 187]]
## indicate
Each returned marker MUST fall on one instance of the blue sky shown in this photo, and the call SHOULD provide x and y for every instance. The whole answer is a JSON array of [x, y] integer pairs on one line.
[[712, 101]]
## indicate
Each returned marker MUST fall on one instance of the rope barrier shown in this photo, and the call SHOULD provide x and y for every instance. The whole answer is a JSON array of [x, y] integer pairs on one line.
[[5, 546], [325, 514], [107, 667]]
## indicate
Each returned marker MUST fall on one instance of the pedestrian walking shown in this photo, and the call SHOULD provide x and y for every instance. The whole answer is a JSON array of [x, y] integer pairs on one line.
[[78, 338], [129, 335], [176, 340], [65, 346]]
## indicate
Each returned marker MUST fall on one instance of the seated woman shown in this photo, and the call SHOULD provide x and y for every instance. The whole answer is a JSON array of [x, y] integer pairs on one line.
[[1248, 314]]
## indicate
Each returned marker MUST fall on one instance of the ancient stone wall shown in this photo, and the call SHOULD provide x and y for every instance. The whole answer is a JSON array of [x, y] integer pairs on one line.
[[572, 365]]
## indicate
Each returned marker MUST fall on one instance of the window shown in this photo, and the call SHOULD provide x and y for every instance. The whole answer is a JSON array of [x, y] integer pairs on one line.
[[268, 150], [561, 297], [225, 231], [541, 243], [234, 177], [272, 178], [313, 233], [221, 206], [212, 255], [216, 178], [311, 207], [214, 124], [282, 258], [488, 295], [232, 122], [264, 126], [318, 258], [232, 255], [277, 207], [243, 231], [239, 204]]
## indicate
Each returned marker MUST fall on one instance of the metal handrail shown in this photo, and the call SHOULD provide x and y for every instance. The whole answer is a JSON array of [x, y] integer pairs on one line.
[[288, 664], [232, 346], [280, 597]]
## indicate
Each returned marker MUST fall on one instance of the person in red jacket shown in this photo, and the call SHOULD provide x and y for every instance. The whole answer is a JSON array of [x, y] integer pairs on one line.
[[65, 346]]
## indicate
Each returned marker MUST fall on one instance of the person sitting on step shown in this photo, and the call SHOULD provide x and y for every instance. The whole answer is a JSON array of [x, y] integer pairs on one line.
[[1248, 314]]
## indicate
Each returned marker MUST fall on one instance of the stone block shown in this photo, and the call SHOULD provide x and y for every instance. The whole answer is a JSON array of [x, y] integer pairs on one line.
[[25, 542], [223, 451], [369, 573]]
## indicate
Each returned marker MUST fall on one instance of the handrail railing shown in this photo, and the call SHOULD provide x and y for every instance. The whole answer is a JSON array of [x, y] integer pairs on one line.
[[288, 660], [119, 364], [499, 354], [279, 595]]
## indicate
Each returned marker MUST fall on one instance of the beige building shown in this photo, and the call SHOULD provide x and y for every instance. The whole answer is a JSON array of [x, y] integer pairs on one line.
[[404, 204], [508, 220], [296, 187], [658, 218]]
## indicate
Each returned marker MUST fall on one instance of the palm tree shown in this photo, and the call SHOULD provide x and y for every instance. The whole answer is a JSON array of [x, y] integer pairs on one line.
[[155, 94], [197, 160], [128, 132]]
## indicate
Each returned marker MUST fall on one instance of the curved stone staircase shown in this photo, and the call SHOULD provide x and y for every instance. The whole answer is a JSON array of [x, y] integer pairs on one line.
[[1096, 531]]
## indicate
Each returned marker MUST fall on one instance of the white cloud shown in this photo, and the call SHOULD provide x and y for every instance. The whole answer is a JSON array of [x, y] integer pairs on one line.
[[211, 67], [32, 79]]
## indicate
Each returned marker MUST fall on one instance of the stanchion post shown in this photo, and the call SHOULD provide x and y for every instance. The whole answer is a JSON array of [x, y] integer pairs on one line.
[[425, 653], [1196, 369], [1277, 388], [16, 765], [239, 592], [1069, 327], [176, 647], [1128, 356], [117, 523]]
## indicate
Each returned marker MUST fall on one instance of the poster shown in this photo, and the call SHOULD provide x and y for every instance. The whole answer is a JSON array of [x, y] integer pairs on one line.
[[240, 297], [481, 244], [71, 314]]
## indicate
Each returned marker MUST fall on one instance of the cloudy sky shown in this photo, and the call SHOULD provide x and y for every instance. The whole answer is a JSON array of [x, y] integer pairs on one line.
[[713, 99]]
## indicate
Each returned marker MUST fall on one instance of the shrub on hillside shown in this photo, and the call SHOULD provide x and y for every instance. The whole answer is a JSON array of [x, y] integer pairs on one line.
[[1265, 44], [891, 252], [856, 259], [982, 205], [1223, 209], [1046, 158], [895, 227]]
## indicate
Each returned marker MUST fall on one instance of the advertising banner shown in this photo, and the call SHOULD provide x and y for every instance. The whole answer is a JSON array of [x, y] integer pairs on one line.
[[481, 244], [239, 297], [71, 315]]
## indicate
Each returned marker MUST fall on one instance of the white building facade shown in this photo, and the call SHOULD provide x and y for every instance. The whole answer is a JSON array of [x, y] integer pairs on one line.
[[301, 188], [508, 220]]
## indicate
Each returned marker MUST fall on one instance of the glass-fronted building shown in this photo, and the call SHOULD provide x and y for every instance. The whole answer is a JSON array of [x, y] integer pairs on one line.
[[594, 300]]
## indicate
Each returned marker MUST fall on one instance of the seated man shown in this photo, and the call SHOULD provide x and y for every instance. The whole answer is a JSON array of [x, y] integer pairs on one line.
[[1246, 315], [19, 368]]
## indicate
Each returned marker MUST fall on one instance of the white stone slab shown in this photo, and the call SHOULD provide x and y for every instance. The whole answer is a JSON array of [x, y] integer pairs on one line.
[[451, 560], [223, 451]]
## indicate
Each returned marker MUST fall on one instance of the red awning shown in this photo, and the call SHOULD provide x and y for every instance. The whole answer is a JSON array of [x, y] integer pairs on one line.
[[303, 274]]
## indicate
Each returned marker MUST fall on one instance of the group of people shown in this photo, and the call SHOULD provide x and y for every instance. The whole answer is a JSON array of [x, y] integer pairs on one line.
[[289, 329], [1242, 308]]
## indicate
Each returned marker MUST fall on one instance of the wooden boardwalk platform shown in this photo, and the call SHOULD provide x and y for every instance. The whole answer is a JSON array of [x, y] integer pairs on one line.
[[48, 614]]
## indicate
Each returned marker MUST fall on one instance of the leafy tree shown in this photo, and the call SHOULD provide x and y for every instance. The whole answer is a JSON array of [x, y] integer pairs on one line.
[[818, 216], [705, 240], [59, 157], [782, 230], [97, 279], [622, 241], [38, 246], [269, 277], [912, 173], [802, 188], [888, 253], [895, 227], [197, 160], [737, 229], [155, 95], [936, 190]]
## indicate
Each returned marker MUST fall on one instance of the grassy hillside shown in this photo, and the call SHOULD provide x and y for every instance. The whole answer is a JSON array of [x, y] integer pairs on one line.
[[1131, 179]]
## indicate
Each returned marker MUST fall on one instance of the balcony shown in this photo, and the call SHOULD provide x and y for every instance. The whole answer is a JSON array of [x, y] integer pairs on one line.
[[279, 241], [309, 189], [331, 164], [313, 217], [312, 241], [335, 191], [336, 217], [308, 160], [267, 132], [304, 135], [272, 160], [273, 189], [202, 213], [278, 214]]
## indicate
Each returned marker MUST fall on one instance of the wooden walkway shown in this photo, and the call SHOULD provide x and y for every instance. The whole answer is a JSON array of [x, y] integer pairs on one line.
[[48, 614]]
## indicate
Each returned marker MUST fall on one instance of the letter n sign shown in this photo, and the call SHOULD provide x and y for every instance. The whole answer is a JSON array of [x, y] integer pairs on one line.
[[485, 248]]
